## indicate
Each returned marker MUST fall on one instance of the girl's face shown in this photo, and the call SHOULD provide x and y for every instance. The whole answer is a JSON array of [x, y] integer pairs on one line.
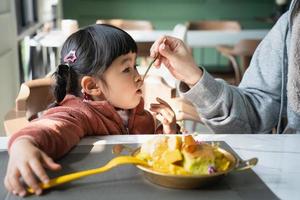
[[123, 82]]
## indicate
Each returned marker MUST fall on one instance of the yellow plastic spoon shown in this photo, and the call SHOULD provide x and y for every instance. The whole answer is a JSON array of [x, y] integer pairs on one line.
[[120, 160]]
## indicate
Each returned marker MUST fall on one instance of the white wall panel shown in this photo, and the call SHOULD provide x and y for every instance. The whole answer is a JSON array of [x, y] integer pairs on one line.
[[9, 69], [7, 35], [4, 6], [8, 84]]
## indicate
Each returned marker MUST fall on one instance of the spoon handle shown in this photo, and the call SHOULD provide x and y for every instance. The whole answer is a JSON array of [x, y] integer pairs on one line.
[[246, 164], [149, 67], [120, 160]]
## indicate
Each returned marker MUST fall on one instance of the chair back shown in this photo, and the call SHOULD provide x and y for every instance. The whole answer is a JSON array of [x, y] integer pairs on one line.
[[127, 24], [214, 25], [143, 49], [240, 56], [209, 58], [245, 50], [34, 97], [246, 47]]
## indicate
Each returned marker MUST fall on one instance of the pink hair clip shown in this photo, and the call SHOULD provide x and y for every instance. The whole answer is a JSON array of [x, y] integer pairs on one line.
[[70, 57]]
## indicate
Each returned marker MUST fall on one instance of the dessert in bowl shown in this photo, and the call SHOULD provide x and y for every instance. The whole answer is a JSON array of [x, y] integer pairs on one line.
[[182, 162]]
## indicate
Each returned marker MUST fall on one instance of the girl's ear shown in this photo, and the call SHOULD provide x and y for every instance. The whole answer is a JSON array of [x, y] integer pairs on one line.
[[90, 86]]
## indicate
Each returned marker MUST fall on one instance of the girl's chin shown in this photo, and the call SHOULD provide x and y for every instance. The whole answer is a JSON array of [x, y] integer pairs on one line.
[[137, 102], [134, 103]]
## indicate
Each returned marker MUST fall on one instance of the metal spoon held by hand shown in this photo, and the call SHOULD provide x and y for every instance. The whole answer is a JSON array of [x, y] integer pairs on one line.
[[152, 62], [149, 67], [120, 160]]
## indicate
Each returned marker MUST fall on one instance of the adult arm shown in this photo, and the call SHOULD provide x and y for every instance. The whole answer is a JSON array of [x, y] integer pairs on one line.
[[254, 106]]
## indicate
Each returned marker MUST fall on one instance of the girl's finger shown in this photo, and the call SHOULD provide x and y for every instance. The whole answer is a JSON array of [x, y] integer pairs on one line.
[[12, 181], [49, 163], [158, 107], [29, 179], [16, 185], [165, 114], [39, 170], [161, 119], [162, 102], [7, 184]]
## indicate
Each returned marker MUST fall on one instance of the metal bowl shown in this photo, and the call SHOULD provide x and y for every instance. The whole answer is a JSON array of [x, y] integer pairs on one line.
[[195, 181]]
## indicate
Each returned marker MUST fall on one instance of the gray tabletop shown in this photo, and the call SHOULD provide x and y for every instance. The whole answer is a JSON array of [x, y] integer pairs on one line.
[[127, 182]]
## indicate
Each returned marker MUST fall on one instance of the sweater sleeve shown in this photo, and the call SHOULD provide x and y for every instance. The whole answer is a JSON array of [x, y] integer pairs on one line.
[[58, 130], [252, 107]]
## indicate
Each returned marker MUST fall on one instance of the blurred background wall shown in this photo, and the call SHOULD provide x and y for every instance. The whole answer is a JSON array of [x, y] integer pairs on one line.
[[165, 14]]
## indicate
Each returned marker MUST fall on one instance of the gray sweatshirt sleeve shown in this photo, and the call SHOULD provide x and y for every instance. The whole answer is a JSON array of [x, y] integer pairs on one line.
[[253, 106]]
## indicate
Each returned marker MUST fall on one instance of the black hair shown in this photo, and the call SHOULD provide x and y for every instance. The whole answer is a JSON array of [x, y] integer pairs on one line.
[[96, 47]]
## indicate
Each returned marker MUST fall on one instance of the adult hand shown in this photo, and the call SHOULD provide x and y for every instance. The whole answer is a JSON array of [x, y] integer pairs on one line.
[[176, 56], [28, 162]]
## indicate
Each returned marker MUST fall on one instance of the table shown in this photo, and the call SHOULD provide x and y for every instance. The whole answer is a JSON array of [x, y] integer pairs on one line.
[[279, 156]]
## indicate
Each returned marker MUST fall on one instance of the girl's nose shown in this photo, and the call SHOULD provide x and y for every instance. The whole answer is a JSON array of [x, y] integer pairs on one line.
[[138, 77]]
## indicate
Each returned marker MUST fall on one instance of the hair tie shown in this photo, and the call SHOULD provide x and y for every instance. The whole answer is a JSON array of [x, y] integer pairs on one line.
[[62, 68], [70, 57]]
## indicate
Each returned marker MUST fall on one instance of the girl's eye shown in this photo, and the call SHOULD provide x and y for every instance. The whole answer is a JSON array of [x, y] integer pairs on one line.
[[127, 69]]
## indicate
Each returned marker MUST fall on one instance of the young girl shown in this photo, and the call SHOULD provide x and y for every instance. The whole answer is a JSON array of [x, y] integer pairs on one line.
[[98, 92]]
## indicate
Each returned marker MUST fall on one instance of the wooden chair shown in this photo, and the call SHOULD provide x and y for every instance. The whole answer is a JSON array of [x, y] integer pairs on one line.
[[33, 98], [127, 24], [241, 53], [226, 72], [214, 25], [143, 49]]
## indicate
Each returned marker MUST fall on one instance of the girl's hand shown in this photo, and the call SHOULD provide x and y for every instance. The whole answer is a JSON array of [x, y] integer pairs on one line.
[[165, 115], [26, 161]]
